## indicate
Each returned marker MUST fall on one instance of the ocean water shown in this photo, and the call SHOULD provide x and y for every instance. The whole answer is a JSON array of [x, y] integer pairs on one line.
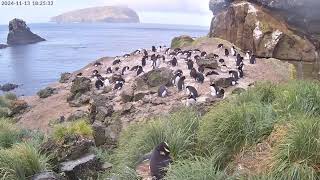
[[69, 47]]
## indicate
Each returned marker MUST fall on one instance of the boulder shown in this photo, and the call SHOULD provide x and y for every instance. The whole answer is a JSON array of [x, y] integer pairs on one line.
[[2, 46], [47, 92], [158, 77], [20, 33], [255, 28], [103, 113], [8, 87], [78, 100], [17, 107], [85, 167], [47, 176], [208, 63], [99, 133], [65, 77], [139, 95], [80, 85], [127, 94], [181, 41]]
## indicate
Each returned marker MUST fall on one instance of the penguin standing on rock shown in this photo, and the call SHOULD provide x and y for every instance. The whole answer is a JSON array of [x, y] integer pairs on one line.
[[99, 84], [192, 91], [193, 73], [226, 52], [214, 90], [200, 78], [190, 64], [154, 49], [139, 70], [174, 62], [162, 91], [176, 78], [109, 70], [124, 69], [233, 51], [181, 83], [160, 159], [144, 61], [115, 62], [96, 64], [118, 85]]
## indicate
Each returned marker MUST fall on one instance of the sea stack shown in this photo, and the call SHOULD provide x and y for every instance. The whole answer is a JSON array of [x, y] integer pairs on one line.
[[20, 34]]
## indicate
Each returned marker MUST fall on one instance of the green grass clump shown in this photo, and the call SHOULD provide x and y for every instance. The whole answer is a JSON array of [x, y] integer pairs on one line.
[[21, 161], [229, 127], [264, 93], [178, 130], [200, 169], [298, 156], [181, 41], [76, 128], [9, 133]]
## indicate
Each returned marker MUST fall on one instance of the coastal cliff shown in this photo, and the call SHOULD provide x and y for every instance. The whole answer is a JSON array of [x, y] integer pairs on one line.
[[269, 29], [108, 14]]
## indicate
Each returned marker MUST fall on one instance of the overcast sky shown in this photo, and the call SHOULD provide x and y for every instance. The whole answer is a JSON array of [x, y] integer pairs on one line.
[[189, 12]]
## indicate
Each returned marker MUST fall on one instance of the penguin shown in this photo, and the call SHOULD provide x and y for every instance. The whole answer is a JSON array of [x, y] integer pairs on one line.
[[233, 51], [118, 85], [109, 70], [126, 55], [212, 73], [200, 78], [193, 73], [162, 91], [220, 94], [124, 69], [154, 49], [99, 84], [95, 72], [136, 52], [176, 79], [203, 54], [201, 69], [116, 68], [224, 68], [214, 90], [134, 68], [160, 159], [196, 51], [179, 71], [144, 61], [192, 91], [253, 59], [220, 46], [247, 57], [240, 61], [234, 74], [197, 57], [215, 56], [139, 70], [145, 53], [190, 64], [167, 51], [226, 52], [191, 101], [181, 83], [232, 81], [174, 62], [240, 70], [221, 61], [79, 74], [96, 64], [153, 57], [116, 62]]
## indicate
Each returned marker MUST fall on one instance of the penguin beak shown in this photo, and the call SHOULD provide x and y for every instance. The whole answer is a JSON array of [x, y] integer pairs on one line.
[[162, 153]]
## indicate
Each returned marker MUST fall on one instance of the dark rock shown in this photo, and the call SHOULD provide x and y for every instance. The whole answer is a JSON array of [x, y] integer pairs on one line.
[[17, 107], [208, 63], [181, 41], [20, 34], [127, 108], [2, 46], [103, 112], [127, 94], [158, 77], [47, 176], [65, 77], [80, 85], [224, 82], [85, 167], [99, 133], [47, 92], [78, 100], [8, 87], [77, 115], [140, 95]]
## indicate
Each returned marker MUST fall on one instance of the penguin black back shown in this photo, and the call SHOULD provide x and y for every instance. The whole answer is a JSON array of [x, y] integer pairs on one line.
[[226, 52], [181, 83], [160, 159], [192, 91]]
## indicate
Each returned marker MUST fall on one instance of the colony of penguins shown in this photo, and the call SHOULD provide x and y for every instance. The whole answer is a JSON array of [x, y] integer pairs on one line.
[[162, 56]]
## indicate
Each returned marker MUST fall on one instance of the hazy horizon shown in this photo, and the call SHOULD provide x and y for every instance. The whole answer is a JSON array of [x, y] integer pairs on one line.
[[181, 12]]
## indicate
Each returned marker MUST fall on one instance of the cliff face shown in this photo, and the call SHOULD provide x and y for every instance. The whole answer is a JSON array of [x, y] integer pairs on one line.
[[99, 14], [283, 29]]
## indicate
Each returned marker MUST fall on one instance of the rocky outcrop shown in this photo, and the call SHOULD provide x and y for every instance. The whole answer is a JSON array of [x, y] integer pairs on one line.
[[110, 14], [65, 77], [20, 33], [79, 92], [208, 63], [181, 41], [158, 77], [47, 92], [8, 87], [255, 28]]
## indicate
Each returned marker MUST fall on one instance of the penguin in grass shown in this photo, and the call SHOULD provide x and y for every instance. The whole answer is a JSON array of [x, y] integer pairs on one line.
[[232, 81], [200, 78], [139, 70], [159, 161], [180, 84], [192, 91], [253, 59], [201, 69], [162, 91], [144, 61], [190, 64], [191, 100], [214, 89], [124, 69], [212, 73], [109, 70]]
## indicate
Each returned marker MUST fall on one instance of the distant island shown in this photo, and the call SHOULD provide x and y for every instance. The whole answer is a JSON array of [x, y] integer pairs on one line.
[[108, 14]]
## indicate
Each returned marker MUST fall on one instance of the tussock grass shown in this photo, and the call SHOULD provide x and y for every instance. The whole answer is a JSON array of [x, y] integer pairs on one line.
[[21, 161], [76, 128], [5, 101], [298, 156], [200, 169], [9, 133], [177, 129]]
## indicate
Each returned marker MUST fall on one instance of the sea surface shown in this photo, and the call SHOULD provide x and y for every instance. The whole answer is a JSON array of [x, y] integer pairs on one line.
[[69, 47]]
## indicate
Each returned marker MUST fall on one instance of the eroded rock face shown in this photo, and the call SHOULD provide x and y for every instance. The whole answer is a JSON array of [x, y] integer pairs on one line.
[[20, 33], [254, 28]]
